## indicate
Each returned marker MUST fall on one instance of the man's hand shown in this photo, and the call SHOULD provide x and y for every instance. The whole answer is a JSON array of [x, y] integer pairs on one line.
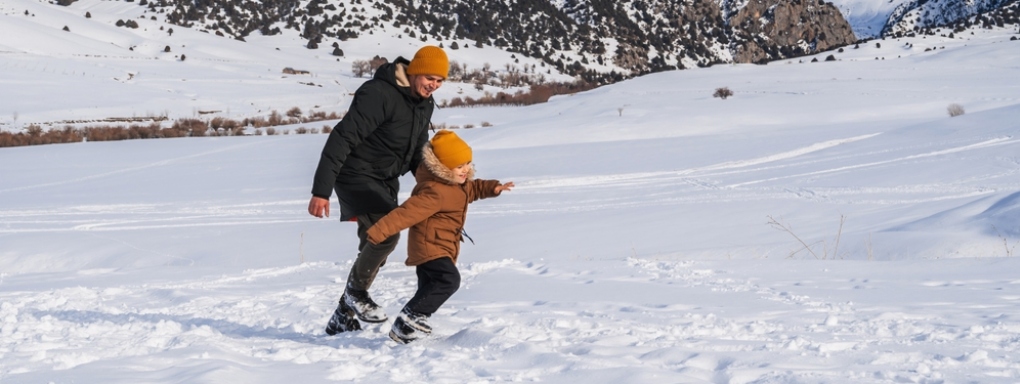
[[318, 207], [504, 187]]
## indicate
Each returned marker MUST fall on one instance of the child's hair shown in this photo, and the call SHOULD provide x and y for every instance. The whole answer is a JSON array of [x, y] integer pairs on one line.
[[450, 149]]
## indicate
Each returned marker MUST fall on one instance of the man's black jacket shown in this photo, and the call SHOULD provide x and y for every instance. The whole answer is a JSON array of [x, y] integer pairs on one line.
[[379, 139]]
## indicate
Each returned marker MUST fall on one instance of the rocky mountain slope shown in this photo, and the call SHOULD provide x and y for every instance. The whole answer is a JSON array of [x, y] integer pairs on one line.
[[598, 40], [917, 15]]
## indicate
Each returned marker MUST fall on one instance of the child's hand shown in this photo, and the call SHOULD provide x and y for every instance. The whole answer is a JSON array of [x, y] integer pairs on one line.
[[504, 187]]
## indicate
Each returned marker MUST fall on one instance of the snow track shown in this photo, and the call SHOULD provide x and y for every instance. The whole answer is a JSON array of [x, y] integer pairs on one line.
[[823, 315]]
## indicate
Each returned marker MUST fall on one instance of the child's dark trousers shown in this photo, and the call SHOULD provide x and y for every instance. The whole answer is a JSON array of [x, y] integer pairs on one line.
[[437, 280]]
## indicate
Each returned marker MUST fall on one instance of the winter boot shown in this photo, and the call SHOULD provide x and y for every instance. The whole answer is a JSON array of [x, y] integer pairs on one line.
[[410, 326], [343, 320], [363, 306]]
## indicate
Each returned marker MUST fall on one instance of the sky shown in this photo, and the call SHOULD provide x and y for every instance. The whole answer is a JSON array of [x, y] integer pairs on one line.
[[830, 222]]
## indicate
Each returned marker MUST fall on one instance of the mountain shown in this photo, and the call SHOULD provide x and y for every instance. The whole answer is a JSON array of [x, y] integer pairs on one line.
[[829, 223], [598, 40], [178, 59], [914, 15]]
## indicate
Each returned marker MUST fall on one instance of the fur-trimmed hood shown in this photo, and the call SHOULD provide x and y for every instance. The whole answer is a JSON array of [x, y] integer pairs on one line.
[[436, 168], [435, 212]]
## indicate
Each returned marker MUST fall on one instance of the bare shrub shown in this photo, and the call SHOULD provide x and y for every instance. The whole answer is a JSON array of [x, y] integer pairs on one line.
[[469, 126], [326, 129], [196, 127], [294, 112], [271, 131], [377, 62], [301, 130], [360, 68], [538, 93], [257, 122], [317, 116], [955, 110], [486, 124], [722, 93], [225, 123], [275, 118], [34, 130]]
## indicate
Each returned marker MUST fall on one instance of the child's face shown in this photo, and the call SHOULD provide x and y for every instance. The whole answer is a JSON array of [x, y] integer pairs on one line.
[[460, 173]]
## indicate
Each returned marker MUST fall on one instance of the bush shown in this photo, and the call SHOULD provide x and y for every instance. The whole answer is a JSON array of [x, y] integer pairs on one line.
[[196, 127], [275, 118], [225, 123], [955, 110], [722, 93], [360, 68]]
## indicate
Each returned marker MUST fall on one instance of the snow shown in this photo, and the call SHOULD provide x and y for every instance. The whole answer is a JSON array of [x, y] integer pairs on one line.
[[636, 248]]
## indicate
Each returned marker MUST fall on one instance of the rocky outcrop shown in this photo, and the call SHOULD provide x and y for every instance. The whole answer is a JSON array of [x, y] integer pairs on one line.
[[600, 41], [766, 30], [915, 15]]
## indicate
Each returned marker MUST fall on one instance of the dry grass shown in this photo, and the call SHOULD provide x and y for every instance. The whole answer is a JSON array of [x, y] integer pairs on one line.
[[187, 127]]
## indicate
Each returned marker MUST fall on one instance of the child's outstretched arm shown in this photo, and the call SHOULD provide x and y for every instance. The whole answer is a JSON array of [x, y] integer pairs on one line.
[[504, 187], [484, 189]]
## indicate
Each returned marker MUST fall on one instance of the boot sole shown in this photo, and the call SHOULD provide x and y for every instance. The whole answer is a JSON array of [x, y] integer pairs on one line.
[[367, 320], [398, 339]]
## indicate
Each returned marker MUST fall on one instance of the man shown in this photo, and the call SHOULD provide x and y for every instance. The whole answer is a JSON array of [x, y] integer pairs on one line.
[[379, 140]]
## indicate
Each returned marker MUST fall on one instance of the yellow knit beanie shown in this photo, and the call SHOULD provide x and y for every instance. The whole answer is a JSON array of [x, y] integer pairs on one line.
[[451, 150], [429, 60]]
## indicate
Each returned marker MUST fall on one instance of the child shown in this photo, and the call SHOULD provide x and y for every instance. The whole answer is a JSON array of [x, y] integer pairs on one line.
[[435, 212]]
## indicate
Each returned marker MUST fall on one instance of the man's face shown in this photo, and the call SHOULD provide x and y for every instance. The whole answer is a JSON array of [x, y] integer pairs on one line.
[[423, 85]]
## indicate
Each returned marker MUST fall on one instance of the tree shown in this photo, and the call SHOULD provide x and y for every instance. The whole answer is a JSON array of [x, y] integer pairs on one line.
[[360, 68]]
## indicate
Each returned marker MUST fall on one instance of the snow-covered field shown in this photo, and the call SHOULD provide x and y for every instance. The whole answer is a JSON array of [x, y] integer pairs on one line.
[[657, 234]]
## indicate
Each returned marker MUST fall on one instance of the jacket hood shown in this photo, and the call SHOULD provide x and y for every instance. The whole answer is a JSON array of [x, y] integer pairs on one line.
[[436, 169], [395, 74]]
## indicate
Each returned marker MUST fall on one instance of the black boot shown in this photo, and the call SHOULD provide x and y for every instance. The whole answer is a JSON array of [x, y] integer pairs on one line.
[[343, 320], [363, 306], [410, 326]]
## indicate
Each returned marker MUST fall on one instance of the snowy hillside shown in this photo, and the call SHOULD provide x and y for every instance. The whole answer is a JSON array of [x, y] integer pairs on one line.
[[830, 222], [73, 66], [97, 71], [867, 17]]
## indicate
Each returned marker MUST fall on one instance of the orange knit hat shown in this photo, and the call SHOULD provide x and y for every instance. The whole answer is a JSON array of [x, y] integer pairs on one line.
[[451, 150], [429, 60]]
